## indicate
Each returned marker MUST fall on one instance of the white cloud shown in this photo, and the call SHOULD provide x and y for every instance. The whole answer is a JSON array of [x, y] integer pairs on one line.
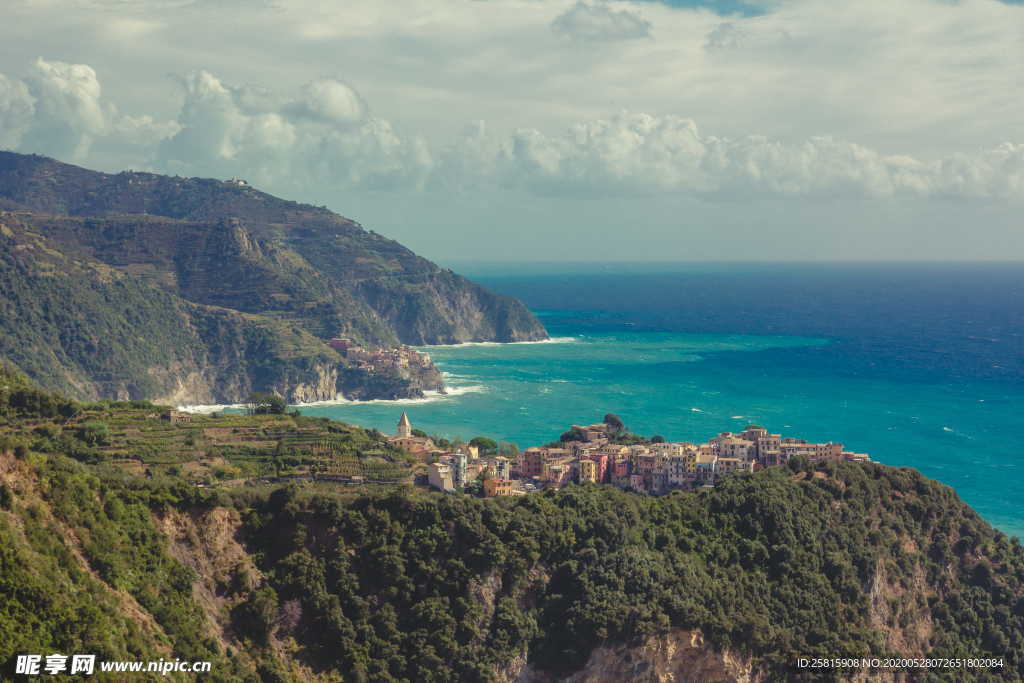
[[873, 103], [69, 114], [128, 28], [17, 107], [725, 36], [323, 136], [59, 110], [637, 154], [599, 21], [330, 101], [470, 164]]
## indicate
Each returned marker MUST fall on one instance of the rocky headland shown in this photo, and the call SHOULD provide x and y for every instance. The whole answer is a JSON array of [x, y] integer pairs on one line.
[[186, 290]]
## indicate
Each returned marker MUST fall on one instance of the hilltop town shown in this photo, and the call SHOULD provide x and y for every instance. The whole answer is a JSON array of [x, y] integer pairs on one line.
[[606, 453]]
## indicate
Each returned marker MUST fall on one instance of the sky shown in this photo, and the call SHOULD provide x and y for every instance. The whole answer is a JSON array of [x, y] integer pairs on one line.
[[557, 129]]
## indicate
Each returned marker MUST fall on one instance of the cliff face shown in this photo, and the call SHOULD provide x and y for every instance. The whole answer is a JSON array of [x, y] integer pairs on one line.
[[674, 657], [445, 308], [679, 656], [246, 289]]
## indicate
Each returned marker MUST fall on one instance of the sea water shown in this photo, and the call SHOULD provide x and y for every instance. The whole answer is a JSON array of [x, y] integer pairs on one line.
[[918, 365]]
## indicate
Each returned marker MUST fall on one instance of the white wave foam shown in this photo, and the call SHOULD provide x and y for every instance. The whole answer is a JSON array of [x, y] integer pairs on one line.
[[738, 417], [428, 397], [452, 376], [552, 340], [696, 410], [207, 409], [465, 389]]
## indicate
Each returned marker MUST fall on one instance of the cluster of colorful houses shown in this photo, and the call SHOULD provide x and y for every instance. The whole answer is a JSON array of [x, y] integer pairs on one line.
[[448, 471], [393, 361], [593, 456]]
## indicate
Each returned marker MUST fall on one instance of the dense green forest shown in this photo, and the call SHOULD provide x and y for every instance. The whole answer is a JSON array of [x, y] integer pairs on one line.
[[393, 583], [780, 564]]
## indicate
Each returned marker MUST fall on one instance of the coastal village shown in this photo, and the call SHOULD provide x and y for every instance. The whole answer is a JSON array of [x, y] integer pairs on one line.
[[269, 445], [400, 360], [595, 453]]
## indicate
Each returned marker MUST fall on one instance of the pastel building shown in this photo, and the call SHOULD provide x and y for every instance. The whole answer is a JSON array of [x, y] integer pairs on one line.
[[728, 445], [497, 487], [620, 467], [600, 467], [587, 471], [558, 474], [677, 470], [439, 475], [404, 439], [533, 462], [705, 467], [502, 468]]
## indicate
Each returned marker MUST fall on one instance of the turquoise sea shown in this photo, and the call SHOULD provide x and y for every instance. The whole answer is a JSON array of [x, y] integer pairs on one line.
[[920, 366]]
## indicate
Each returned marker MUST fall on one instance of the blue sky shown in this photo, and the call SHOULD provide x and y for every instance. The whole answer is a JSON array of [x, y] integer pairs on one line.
[[724, 7], [521, 129]]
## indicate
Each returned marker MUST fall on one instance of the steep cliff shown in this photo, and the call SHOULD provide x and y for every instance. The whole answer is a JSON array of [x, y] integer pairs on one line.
[[199, 290], [679, 655]]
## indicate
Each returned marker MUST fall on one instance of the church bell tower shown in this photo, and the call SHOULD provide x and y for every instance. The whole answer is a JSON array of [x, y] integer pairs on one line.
[[404, 427]]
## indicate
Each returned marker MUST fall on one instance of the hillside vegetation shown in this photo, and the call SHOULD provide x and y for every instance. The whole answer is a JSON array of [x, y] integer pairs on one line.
[[136, 285], [388, 583]]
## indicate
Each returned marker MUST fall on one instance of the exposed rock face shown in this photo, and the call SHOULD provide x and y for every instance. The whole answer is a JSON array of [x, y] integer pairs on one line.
[[202, 291], [679, 656], [674, 657], [207, 543]]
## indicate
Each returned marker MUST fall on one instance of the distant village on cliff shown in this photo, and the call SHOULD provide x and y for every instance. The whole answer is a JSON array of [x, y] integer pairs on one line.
[[605, 453]]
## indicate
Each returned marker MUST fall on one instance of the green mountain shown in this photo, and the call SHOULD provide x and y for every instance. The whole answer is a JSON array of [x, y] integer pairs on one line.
[[392, 583], [135, 285]]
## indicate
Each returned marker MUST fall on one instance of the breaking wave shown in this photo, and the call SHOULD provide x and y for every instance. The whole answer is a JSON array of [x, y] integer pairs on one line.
[[428, 397], [552, 340]]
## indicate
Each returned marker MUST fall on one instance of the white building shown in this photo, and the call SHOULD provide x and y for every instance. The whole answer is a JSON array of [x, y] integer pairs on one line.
[[404, 430], [439, 475]]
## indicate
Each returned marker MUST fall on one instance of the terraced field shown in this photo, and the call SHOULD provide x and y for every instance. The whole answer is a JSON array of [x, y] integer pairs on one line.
[[216, 450]]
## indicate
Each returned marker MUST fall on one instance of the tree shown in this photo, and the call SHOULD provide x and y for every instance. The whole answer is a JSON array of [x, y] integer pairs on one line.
[[94, 433], [256, 616], [420, 433], [266, 404], [614, 422], [574, 434], [486, 446], [507, 450], [657, 438]]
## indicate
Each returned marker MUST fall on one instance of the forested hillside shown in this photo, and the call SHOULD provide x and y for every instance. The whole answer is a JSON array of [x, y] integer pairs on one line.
[[312, 581], [249, 286]]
